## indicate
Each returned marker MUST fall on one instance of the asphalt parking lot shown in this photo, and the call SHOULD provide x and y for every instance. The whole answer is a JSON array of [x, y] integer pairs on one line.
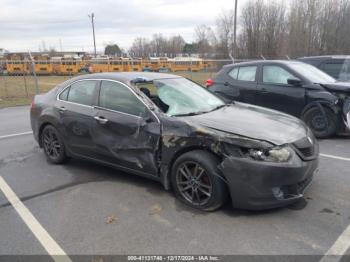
[[94, 210]]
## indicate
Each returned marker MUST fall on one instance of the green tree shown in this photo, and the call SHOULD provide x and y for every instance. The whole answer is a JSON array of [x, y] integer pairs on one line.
[[190, 48], [112, 49]]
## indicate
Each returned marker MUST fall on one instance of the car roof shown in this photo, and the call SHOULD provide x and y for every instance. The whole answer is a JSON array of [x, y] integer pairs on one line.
[[323, 57], [258, 62], [124, 77]]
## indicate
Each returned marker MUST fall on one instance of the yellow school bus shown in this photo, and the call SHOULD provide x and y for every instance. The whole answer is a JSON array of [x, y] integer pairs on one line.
[[42, 65], [164, 64], [187, 64], [146, 65], [100, 65], [65, 65], [154, 63], [135, 65], [16, 66], [56, 64], [69, 66], [208, 65], [116, 65], [123, 64]]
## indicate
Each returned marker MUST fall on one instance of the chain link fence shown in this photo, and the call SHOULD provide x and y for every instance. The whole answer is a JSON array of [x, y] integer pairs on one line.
[[18, 83]]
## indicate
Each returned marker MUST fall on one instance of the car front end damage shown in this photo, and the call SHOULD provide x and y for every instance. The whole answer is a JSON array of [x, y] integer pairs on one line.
[[343, 107], [346, 113], [268, 176], [341, 91], [264, 185], [258, 173]]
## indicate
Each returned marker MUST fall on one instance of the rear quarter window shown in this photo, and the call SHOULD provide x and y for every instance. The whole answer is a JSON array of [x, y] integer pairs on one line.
[[64, 94], [234, 73]]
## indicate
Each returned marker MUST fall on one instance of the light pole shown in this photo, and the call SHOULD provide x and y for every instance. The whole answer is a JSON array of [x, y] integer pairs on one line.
[[92, 16], [235, 30]]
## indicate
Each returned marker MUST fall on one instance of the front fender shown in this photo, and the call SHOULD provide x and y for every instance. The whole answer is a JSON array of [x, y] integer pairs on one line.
[[181, 136], [332, 105]]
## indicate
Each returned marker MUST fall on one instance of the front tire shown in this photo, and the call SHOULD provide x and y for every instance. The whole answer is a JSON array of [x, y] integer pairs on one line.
[[321, 127], [53, 145], [196, 181]]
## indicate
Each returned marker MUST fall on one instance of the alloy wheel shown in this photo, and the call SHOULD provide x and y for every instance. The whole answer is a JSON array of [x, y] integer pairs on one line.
[[193, 183], [51, 144], [319, 122]]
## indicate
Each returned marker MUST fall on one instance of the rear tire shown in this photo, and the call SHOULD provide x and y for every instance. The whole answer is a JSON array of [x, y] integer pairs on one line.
[[197, 182], [321, 127], [53, 145]]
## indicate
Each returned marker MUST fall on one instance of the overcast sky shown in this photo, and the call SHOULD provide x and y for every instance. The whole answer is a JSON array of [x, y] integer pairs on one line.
[[24, 24]]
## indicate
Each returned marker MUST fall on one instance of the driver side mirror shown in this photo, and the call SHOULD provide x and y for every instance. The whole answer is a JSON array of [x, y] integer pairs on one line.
[[294, 82]]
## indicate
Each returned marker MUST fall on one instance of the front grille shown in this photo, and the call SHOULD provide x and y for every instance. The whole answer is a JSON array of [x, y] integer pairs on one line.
[[307, 151], [306, 148]]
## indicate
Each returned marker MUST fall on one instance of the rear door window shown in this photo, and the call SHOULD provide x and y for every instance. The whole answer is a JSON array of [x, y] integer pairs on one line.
[[247, 73], [82, 92], [234, 73]]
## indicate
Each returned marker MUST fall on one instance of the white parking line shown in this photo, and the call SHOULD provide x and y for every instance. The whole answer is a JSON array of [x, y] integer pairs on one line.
[[54, 250], [335, 157], [339, 248], [14, 135]]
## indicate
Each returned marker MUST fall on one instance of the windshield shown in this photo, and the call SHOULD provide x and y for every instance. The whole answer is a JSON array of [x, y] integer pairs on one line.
[[339, 69], [179, 96], [312, 73]]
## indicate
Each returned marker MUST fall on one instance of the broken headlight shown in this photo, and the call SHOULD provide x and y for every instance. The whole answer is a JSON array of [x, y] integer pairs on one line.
[[276, 154]]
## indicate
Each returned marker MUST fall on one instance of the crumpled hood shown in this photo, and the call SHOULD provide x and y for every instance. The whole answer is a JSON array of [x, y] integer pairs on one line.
[[254, 122], [337, 86]]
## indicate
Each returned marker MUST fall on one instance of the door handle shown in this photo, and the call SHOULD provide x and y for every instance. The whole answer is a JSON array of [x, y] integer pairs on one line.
[[101, 119], [62, 109], [264, 91]]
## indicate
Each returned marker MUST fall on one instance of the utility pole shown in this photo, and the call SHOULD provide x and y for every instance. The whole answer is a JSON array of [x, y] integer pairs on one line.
[[92, 16], [235, 30]]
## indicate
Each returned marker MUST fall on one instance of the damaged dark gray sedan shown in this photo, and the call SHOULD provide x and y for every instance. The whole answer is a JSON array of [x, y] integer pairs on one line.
[[172, 130]]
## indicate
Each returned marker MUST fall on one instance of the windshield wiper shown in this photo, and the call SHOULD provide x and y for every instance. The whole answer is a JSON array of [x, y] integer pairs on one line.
[[192, 113], [202, 112], [218, 107]]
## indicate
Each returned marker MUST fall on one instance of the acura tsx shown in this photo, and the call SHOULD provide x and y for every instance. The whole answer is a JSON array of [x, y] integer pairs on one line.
[[174, 131]]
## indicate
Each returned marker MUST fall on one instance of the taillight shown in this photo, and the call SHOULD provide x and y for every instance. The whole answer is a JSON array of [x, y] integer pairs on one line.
[[209, 82], [32, 105]]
